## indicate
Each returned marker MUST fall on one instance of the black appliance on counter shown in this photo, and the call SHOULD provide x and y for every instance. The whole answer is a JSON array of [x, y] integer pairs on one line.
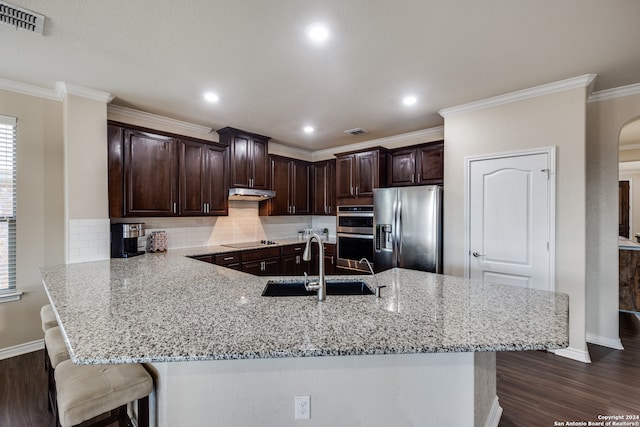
[[124, 240]]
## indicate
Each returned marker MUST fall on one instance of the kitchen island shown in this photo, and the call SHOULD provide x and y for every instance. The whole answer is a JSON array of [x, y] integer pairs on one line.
[[221, 354]]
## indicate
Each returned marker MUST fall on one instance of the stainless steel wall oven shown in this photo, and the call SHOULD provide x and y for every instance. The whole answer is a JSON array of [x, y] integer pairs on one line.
[[354, 231]]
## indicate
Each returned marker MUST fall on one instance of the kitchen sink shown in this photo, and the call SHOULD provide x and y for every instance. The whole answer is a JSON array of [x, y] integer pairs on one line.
[[334, 287]]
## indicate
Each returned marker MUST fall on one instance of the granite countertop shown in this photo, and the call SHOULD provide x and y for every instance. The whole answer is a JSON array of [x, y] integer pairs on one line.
[[624, 243], [166, 307]]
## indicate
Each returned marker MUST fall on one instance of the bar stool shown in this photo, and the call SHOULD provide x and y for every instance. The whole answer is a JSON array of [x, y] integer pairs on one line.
[[87, 393], [56, 352], [48, 317]]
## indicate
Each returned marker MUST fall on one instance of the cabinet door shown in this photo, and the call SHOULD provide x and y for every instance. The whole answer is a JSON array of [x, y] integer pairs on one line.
[[259, 164], [280, 176], [150, 175], [266, 267], [218, 188], [323, 191], [241, 166], [193, 178], [300, 185], [430, 164], [345, 172], [366, 173], [403, 167]]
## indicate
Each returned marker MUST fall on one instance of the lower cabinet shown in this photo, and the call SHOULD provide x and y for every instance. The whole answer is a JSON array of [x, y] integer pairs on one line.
[[261, 262], [276, 261]]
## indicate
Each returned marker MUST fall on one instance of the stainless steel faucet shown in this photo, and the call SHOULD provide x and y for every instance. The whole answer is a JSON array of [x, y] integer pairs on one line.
[[321, 284]]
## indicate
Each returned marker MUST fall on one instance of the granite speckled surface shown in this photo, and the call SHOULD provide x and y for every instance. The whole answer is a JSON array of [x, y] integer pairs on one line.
[[166, 307]]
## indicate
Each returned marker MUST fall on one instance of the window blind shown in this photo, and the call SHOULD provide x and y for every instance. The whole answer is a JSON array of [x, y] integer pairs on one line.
[[7, 204]]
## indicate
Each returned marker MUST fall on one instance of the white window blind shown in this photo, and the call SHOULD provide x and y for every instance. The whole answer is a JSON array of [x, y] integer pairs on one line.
[[7, 205]]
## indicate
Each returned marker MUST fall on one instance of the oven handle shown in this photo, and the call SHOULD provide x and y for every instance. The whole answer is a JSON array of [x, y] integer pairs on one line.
[[357, 236]]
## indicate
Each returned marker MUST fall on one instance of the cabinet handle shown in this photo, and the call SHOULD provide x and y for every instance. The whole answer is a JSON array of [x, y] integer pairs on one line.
[[297, 249], [331, 259], [356, 191], [294, 209], [175, 208], [297, 259], [413, 178], [228, 258]]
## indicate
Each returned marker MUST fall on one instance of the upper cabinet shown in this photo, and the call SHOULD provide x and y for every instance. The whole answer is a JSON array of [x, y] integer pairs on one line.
[[417, 165], [156, 174], [323, 194], [203, 176], [248, 157], [357, 174], [291, 180]]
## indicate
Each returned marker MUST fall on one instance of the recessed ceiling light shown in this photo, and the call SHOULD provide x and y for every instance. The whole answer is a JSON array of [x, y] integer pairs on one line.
[[409, 100], [308, 129], [211, 97], [318, 32]]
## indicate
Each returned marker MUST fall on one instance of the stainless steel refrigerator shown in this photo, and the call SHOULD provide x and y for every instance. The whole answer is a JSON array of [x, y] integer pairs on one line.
[[407, 224]]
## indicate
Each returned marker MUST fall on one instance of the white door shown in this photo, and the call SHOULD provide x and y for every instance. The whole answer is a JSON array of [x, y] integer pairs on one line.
[[511, 218]]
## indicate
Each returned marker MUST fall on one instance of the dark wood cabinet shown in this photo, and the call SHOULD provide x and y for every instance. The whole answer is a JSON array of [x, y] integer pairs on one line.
[[153, 173], [261, 262], [203, 179], [329, 259], [421, 165], [249, 159], [323, 194], [150, 174], [292, 262], [357, 174], [291, 180]]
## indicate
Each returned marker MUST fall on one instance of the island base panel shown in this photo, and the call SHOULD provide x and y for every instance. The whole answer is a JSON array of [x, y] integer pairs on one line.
[[380, 390]]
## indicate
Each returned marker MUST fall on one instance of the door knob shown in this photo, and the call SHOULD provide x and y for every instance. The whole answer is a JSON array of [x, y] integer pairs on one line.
[[477, 255]]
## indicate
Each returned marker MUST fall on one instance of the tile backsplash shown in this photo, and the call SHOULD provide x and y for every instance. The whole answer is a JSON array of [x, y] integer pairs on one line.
[[242, 225], [89, 240]]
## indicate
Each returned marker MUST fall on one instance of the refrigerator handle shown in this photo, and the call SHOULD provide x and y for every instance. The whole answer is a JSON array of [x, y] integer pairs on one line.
[[398, 230]]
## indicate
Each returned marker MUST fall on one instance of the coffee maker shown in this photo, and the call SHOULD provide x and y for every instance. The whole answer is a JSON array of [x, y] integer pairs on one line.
[[124, 240]]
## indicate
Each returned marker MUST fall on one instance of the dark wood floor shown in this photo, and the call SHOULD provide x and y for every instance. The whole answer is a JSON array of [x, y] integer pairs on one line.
[[535, 388], [538, 388]]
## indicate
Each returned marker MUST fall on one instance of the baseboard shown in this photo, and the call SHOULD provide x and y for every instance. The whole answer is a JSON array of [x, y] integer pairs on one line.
[[573, 353], [21, 349], [605, 341], [493, 419]]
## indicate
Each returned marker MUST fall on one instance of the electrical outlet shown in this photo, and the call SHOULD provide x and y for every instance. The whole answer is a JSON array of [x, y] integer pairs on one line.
[[303, 407]]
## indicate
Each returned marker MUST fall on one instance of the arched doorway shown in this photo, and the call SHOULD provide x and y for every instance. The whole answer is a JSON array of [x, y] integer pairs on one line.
[[629, 181]]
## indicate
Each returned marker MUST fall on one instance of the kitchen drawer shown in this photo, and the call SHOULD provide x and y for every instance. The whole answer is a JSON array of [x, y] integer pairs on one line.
[[294, 249], [260, 254], [227, 258], [205, 258]]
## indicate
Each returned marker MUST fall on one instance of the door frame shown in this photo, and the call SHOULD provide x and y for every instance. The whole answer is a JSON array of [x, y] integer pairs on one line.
[[631, 235], [468, 161]]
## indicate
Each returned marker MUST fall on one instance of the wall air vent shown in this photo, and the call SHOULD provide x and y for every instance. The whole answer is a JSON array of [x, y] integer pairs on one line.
[[355, 131], [21, 19]]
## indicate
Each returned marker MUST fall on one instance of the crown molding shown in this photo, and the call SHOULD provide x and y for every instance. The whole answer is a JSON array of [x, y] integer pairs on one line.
[[546, 89], [28, 89], [437, 132], [63, 89], [287, 151], [629, 147], [617, 92], [157, 119]]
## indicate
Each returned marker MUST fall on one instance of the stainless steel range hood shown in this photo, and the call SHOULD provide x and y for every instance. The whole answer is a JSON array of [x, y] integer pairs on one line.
[[250, 194]]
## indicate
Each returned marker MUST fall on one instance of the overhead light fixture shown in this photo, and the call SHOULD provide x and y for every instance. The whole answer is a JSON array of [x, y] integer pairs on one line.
[[409, 100], [211, 97], [318, 32], [308, 129]]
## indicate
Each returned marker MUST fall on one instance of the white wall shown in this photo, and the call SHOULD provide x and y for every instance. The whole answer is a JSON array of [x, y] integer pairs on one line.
[[40, 231], [605, 119], [556, 119]]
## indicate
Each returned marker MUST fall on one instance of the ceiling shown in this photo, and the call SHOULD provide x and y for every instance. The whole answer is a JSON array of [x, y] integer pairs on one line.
[[160, 56]]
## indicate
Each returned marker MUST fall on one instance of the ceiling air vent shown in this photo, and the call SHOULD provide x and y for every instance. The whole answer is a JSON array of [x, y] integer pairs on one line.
[[21, 19], [355, 131]]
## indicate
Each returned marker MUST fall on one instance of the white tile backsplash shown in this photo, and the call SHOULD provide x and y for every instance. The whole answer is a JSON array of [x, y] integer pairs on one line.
[[244, 224], [88, 240]]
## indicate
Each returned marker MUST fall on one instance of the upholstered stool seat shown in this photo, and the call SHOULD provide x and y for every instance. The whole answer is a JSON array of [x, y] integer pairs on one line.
[[56, 347], [55, 353], [48, 317], [87, 391]]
